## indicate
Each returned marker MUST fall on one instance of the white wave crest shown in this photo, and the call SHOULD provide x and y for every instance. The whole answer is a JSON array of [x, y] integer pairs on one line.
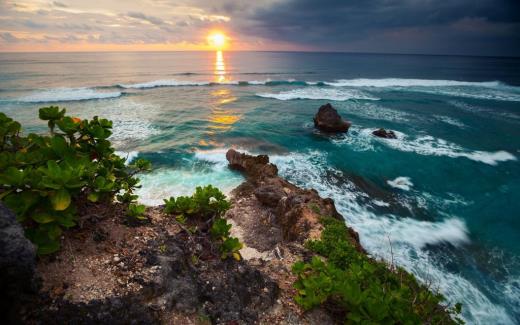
[[66, 94], [401, 182], [431, 146], [129, 156], [400, 82], [164, 83], [319, 93]]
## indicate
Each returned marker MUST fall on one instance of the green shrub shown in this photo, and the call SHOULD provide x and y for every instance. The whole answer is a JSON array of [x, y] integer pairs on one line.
[[42, 176], [229, 246], [135, 212], [366, 290], [207, 204]]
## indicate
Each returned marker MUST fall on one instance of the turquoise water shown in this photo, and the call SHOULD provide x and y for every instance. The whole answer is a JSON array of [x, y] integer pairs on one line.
[[443, 197]]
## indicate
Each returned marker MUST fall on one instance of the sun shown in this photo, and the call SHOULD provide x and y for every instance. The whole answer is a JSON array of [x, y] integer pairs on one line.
[[217, 40]]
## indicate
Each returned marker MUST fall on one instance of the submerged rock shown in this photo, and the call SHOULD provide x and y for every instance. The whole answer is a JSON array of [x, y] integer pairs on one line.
[[382, 133], [327, 119], [17, 263]]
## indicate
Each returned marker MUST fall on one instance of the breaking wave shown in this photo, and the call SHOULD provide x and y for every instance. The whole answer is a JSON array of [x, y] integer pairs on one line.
[[65, 95], [336, 94]]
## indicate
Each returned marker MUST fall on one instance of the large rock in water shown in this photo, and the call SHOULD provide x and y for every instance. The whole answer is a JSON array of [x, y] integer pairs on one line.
[[382, 133], [17, 264], [327, 119]]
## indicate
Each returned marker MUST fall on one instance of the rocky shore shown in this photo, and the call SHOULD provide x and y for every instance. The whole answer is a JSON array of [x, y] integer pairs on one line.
[[158, 272], [154, 272]]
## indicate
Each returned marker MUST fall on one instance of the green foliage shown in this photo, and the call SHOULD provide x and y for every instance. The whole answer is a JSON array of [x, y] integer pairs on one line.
[[229, 246], [368, 291], [42, 176], [136, 212], [207, 202]]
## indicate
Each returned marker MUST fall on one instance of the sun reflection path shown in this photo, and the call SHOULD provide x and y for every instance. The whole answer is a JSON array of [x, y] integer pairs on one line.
[[220, 67], [221, 117]]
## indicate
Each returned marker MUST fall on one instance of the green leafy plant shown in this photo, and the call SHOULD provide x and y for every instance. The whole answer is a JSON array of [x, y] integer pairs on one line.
[[136, 212], [43, 176], [207, 202], [229, 246], [366, 290]]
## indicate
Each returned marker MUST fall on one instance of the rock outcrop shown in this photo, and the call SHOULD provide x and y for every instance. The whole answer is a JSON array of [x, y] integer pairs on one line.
[[17, 263], [382, 133], [327, 119], [297, 211]]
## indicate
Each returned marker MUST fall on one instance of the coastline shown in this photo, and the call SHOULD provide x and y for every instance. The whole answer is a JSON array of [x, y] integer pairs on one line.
[[144, 273]]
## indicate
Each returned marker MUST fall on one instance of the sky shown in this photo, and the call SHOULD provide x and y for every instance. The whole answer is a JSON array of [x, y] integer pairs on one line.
[[465, 27]]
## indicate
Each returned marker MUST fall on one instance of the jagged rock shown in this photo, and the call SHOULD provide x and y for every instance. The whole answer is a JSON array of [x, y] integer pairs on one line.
[[327, 119], [297, 210], [382, 133], [17, 263], [269, 195], [253, 166]]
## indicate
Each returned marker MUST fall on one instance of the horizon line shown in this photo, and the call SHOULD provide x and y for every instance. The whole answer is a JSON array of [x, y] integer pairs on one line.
[[266, 51]]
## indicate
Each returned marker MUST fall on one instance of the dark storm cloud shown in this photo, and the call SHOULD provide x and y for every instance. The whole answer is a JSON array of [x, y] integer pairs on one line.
[[478, 27]]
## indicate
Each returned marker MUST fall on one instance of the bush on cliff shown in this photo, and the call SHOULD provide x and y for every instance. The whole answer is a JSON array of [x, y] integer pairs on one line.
[[208, 204], [42, 177], [363, 290]]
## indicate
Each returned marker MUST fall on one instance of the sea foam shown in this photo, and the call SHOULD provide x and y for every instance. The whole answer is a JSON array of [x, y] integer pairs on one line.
[[431, 146], [203, 168], [401, 182], [336, 94], [401, 82]]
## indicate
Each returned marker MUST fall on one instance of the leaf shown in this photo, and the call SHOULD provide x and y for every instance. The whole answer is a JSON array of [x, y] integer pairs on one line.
[[43, 217], [93, 196], [51, 113], [60, 200]]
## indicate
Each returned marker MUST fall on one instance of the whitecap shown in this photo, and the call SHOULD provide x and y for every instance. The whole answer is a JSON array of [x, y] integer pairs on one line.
[[450, 120], [431, 146], [401, 182], [402, 82], [319, 93], [164, 83], [66, 94], [129, 156]]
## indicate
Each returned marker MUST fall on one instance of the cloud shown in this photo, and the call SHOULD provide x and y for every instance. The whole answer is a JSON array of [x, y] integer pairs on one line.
[[151, 19], [374, 25], [9, 38], [59, 4]]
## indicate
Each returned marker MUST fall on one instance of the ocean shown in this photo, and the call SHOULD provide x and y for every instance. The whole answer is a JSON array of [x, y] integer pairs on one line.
[[441, 200]]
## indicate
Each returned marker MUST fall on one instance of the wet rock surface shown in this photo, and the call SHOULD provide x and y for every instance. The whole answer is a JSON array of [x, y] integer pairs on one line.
[[327, 119], [382, 133]]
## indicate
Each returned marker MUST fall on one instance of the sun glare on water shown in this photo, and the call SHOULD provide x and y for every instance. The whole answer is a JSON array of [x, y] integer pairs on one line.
[[217, 40]]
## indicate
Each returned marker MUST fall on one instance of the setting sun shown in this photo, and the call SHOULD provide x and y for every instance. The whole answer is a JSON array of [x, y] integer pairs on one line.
[[217, 40]]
